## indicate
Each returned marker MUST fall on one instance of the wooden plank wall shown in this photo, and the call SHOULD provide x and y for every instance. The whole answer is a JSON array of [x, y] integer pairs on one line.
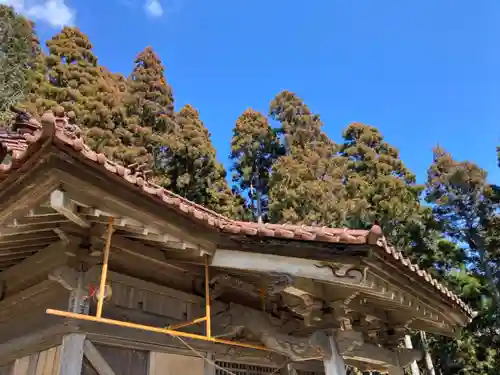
[[7, 369], [244, 369], [302, 372], [122, 361], [153, 299], [174, 364], [45, 362]]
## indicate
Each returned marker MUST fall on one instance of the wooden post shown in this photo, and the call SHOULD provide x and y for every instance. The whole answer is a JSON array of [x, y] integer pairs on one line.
[[334, 362], [427, 356], [77, 302], [209, 367], [288, 370], [70, 362], [413, 364]]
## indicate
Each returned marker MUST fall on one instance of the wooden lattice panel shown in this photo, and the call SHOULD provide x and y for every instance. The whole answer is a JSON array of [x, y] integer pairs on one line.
[[244, 369], [303, 372]]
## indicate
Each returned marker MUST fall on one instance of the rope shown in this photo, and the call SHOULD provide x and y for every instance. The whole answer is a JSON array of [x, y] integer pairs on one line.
[[209, 361]]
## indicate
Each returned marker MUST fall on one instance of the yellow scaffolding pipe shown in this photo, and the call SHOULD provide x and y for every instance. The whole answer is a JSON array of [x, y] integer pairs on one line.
[[169, 330], [207, 300], [119, 323], [186, 324], [104, 271]]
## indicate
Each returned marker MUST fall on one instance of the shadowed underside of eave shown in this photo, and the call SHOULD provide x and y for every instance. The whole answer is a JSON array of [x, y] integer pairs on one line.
[[139, 250]]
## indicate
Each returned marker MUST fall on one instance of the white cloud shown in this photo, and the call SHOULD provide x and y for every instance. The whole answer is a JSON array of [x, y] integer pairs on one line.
[[153, 8], [53, 12]]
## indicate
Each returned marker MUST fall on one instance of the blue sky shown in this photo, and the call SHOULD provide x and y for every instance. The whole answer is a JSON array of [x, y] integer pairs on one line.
[[424, 72]]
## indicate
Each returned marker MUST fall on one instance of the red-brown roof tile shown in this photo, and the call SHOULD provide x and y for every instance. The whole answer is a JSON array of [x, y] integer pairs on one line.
[[58, 131]]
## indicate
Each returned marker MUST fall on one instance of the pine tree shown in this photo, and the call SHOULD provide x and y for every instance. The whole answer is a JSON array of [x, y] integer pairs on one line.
[[299, 125], [429, 248], [307, 183], [465, 208], [16, 58], [149, 107], [379, 185], [151, 98], [36, 76], [192, 170], [254, 149], [82, 88]]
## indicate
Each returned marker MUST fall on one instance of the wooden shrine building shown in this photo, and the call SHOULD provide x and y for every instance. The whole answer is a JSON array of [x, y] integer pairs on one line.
[[104, 273]]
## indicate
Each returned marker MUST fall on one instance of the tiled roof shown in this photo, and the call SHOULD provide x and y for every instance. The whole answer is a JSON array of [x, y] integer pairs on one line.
[[56, 129]]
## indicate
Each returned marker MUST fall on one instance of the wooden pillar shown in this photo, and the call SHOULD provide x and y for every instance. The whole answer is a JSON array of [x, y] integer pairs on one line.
[[427, 355], [71, 358], [209, 367], [77, 301], [288, 370], [334, 362], [413, 364]]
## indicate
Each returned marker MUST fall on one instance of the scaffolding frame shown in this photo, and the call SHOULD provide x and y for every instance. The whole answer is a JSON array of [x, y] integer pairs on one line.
[[171, 330]]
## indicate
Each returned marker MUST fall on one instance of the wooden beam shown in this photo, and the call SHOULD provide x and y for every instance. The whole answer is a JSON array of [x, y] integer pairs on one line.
[[156, 255], [127, 200], [35, 268], [18, 198], [135, 229], [35, 341], [70, 362], [16, 256], [423, 292], [37, 244], [25, 229], [346, 275], [379, 356], [163, 239], [141, 340], [67, 277], [93, 275], [43, 209], [60, 202], [53, 219], [24, 299], [21, 237], [96, 359]]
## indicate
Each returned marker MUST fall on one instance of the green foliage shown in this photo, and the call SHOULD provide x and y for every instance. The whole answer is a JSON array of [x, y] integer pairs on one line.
[[86, 91], [150, 98], [299, 126], [148, 105], [16, 57], [465, 209], [381, 188], [254, 149], [306, 183], [193, 171]]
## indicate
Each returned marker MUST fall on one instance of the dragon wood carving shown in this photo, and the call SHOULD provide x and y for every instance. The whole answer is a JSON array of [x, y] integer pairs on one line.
[[277, 283], [352, 273], [239, 319]]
